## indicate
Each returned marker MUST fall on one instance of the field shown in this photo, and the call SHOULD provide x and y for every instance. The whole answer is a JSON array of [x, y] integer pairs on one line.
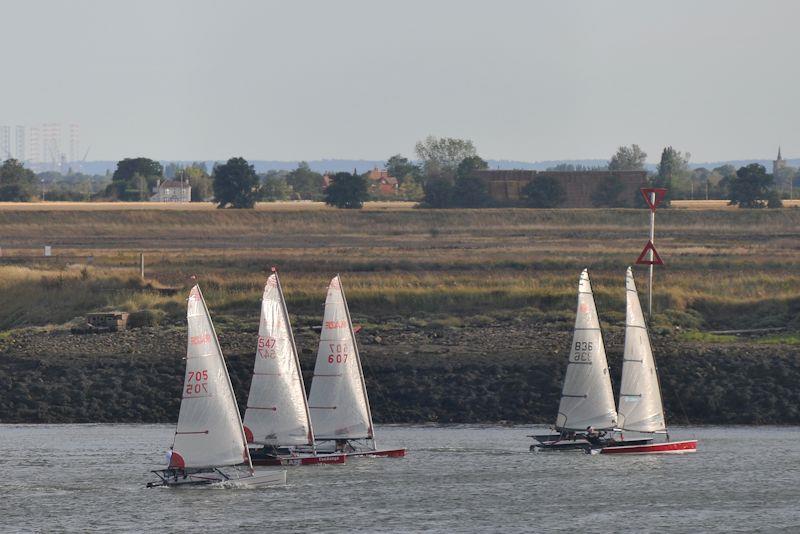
[[458, 287]]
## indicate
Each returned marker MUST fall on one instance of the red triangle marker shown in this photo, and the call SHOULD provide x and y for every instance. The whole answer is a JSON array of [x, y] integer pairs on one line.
[[659, 191], [656, 258]]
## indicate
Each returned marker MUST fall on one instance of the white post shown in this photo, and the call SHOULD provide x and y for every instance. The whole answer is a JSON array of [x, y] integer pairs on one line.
[[141, 265], [652, 236]]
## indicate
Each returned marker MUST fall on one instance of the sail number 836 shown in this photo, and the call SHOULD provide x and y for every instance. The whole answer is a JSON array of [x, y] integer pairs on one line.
[[338, 353], [582, 351]]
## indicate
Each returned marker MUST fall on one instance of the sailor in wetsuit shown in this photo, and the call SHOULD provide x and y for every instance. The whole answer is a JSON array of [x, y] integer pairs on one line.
[[594, 437]]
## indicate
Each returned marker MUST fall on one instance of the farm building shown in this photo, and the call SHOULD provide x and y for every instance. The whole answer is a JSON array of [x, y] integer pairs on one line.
[[505, 186], [172, 191]]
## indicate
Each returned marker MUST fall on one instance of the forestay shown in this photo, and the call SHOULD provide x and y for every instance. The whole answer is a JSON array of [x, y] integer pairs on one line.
[[338, 401], [209, 432], [277, 410], [640, 407], [586, 397]]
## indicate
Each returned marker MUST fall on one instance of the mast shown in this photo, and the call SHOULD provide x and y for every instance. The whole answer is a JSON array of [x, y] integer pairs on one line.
[[228, 380], [296, 359], [358, 360]]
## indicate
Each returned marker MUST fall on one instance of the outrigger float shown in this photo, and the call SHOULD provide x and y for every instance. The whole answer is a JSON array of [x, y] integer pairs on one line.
[[277, 423], [587, 419], [338, 401], [209, 446]]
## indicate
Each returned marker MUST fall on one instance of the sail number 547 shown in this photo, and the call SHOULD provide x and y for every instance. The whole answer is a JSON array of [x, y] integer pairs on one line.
[[338, 353], [583, 351]]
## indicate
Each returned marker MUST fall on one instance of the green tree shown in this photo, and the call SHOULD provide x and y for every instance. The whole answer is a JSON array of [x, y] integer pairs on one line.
[[235, 183], [628, 158], [608, 191], [134, 179], [469, 165], [751, 187], [469, 190], [442, 156], [401, 168], [198, 178], [438, 192], [17, 184], [347, 191], [673, 171], [544, 192], [274, 186], [720, 180], [411, 189], [306, 183]]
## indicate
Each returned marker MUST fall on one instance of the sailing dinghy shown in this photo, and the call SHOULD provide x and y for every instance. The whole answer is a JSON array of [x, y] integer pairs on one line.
[[640, 406], [277, 418], [587, 400], [338, 402], [209, 443]]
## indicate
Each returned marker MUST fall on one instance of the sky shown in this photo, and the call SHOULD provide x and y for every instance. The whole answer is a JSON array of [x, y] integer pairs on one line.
[[289, 80]]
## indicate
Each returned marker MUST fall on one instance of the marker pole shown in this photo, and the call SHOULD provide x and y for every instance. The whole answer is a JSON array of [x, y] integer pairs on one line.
[[652, 235]]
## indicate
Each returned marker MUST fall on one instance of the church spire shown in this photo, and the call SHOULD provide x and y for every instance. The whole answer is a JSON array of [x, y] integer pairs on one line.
[[779, 152]]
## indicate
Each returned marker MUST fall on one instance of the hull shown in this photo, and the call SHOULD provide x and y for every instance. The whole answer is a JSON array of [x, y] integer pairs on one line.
[[380, 453], [581, 445], [217, 479], [670, 447], [310, 459]]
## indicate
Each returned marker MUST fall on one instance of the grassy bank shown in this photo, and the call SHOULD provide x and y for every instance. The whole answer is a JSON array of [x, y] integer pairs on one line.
[[431, 282]]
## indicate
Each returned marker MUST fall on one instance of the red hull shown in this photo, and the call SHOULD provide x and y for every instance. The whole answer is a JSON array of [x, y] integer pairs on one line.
[[385, 453], [302, 460], [670, 447]]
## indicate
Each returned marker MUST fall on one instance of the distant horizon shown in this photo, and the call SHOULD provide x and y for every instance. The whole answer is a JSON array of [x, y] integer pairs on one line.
[[364, 165]]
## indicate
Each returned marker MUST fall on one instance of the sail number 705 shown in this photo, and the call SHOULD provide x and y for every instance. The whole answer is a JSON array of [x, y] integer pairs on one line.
[[338, 353], [196, 382], [582, 351]]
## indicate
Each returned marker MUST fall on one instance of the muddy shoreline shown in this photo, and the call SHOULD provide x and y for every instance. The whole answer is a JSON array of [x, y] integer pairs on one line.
[[503, 372]]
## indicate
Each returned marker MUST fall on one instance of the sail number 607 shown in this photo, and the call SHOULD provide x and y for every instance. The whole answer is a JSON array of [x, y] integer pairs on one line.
[[338, 353], [582, 351]]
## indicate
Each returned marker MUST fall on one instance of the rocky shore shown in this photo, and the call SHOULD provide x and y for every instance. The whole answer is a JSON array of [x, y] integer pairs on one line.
[[504, 372]]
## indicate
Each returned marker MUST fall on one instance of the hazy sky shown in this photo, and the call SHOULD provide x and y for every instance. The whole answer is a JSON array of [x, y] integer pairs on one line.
[[524, 80]]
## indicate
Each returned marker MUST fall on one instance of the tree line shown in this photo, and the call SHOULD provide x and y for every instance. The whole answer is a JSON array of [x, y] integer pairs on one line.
[[443, 176]]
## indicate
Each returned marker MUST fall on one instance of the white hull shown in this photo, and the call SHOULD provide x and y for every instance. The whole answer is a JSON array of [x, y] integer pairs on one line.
[[216, 479]]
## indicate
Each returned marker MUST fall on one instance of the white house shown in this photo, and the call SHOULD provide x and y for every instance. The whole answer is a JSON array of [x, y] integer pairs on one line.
[[172, 191]]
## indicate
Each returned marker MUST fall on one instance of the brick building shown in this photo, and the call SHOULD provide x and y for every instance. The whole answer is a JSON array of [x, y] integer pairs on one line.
[[381, 184], [505, 187]]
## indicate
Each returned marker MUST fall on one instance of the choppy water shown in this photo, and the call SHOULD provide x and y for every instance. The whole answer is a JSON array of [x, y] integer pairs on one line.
[[454, 479]]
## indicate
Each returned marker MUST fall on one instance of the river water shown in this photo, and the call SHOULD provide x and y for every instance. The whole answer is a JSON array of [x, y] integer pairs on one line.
[[454, 479]]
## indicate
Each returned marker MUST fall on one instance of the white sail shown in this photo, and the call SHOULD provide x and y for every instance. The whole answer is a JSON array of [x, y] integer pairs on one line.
[[209, 432], [338, 400], [277, 410], [586, 397], [640, 407]]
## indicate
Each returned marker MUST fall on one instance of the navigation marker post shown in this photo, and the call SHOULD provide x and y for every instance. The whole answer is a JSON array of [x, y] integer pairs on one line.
[[653, 196]]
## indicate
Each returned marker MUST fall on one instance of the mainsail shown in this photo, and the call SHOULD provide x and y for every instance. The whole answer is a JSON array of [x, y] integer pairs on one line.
[[338, 400], [640, 407], [277, 410], [586, 397], [209, 432]]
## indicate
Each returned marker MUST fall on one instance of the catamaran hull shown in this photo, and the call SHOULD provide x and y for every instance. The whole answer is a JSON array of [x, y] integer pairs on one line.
[[581, 445], [670, 447], [257, 480], [302, 460], [380, 453]]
